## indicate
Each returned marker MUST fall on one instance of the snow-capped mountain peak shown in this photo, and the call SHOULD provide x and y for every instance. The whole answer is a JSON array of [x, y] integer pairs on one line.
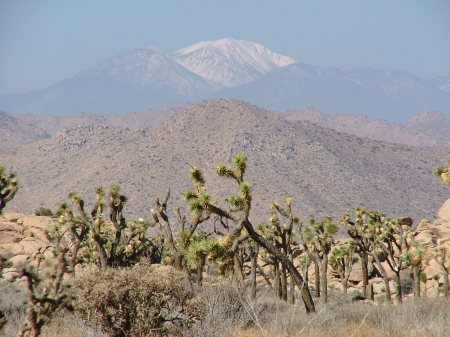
[[229, 62]]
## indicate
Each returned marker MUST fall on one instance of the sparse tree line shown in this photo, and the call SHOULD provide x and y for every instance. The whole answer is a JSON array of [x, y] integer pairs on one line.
[[281, 251]]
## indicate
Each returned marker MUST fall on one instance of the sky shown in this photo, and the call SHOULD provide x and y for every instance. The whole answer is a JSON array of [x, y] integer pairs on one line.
[[45, 41]]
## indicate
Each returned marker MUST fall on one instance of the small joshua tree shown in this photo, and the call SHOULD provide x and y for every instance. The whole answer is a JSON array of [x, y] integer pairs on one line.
[[319, 237], [414, 258], [8, 187], [108, 243], [201, 208], [281, 234], [341, 261], [46, 287], [442, 256], [443, 173], [364, 230]]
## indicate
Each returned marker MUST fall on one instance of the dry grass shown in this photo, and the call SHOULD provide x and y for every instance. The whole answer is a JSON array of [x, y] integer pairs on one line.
[[342, 318], [231, 312]]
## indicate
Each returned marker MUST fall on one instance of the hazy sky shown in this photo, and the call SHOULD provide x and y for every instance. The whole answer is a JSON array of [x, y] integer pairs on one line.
[[44, 41]]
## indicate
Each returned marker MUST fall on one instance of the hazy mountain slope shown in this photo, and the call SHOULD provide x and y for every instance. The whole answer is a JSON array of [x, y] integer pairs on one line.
[[441, 82], [387, 94], [14, 131], [431, 123], [428, 128], [22, 129], [229, 62], [327, 172], [138, 80]]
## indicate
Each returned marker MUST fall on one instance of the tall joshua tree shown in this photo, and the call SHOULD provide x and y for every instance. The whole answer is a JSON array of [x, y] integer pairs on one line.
[[240, 205], [8, 187], [236, 222]]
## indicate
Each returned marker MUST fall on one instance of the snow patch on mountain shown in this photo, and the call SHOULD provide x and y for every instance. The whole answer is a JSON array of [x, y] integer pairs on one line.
[[229, 62]]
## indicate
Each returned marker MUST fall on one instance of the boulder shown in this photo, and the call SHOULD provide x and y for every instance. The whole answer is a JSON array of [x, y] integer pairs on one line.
[[444, 211]]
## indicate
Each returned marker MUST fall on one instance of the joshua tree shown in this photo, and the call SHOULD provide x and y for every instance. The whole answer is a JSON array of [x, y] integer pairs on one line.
[[281, 234], [394, 239], [319, 237], [442, 256], [305, 261], [341, 261], [45, 285], [8, 187], [238, 216], [364, 230], [414, 258], [109, 243]]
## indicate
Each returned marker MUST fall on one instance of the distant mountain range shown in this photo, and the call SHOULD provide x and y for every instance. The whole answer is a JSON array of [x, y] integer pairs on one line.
[[428, 128], [149, 78]]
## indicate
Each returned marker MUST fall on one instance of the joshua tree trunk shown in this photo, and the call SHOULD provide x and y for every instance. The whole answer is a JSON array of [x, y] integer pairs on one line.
[[416, 281], [291, 284], [316, 278], [237, 268], [385, 277], [277, 279], [178, 260], [306, 296], [446, 282], [345, 285], [283, 283], [365, 273], [370, 292], [324, 278], [254, 264], [200, 266], [398, 293], [306, 273]]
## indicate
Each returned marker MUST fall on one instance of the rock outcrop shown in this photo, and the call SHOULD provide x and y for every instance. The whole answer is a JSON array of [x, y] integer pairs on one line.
[[21, 236]]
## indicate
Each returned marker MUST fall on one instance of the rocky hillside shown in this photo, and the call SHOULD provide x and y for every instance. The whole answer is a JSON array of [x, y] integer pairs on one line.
[[326, 171], [428, 128]]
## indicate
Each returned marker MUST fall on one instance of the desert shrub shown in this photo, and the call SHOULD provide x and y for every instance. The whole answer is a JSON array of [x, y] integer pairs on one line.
[[13, 301], [42, 211], [145, 300]]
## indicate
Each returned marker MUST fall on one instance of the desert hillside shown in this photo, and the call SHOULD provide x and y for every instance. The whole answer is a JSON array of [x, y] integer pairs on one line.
[[326, 171]]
